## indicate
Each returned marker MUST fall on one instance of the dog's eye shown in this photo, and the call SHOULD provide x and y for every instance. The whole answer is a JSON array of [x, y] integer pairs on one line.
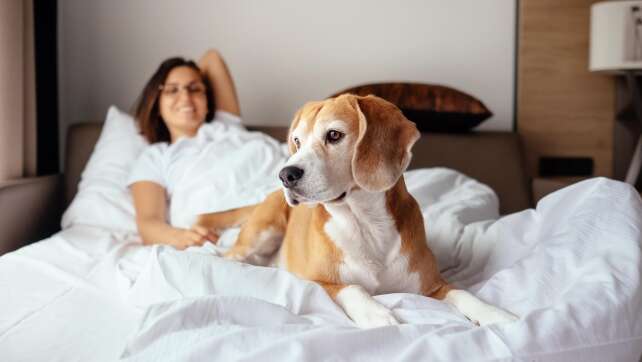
[[297, 143], [333, 136]]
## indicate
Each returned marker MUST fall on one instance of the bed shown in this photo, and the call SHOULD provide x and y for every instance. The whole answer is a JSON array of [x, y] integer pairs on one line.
[[569, 267]]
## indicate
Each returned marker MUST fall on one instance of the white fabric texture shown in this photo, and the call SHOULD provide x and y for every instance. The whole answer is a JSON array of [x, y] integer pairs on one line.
[[159, 162], [570, 268], [223, 167], [103, 199]]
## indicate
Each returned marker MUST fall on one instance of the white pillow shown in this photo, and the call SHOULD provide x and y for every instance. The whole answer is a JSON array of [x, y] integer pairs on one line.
[[103, 199]]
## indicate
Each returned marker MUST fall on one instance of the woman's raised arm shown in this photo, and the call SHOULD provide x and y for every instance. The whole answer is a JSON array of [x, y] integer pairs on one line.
[[214, 67]]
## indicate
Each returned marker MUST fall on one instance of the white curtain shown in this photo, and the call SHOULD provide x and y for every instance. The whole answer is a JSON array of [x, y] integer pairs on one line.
[[17, 90]]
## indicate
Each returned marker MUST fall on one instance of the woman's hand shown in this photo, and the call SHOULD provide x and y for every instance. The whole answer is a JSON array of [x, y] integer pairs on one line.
[[210, 55], [151, 205], [195, 236]]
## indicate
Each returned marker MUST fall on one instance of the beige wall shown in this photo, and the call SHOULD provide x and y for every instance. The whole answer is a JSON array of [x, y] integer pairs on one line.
[[283, 53]]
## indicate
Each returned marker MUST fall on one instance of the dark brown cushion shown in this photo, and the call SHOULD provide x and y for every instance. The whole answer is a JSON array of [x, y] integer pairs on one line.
[[434, 108]]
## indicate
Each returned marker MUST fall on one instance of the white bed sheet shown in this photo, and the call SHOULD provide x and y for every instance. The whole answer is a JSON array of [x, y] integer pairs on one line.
[[571, 270]]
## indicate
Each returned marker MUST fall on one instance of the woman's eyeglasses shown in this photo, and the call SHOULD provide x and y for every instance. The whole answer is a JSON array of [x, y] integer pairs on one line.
[[174, 89]]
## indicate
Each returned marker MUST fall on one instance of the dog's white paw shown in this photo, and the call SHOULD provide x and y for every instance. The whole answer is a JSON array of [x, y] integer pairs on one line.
[[477, 311], [492, 315], [363, 309], [253, 259], [374, 316], [234, 256]]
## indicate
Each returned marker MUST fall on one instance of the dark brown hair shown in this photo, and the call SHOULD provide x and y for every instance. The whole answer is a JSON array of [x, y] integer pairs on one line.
[[146, 109]]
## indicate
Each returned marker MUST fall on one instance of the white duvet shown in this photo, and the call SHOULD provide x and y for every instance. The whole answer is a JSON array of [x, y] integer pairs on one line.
[[570, 269]]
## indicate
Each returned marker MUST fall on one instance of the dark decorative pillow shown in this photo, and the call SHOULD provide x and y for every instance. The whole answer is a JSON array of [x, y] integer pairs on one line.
[[434, 108]]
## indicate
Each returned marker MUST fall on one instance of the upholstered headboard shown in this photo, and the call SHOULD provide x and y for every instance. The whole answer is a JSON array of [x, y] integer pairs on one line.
[[494, 158]]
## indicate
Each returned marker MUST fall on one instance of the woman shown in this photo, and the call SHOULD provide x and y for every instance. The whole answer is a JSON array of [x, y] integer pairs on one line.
[[178, 99]]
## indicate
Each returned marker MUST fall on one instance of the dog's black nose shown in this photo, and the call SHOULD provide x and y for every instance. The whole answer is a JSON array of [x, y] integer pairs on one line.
[[290, 176]]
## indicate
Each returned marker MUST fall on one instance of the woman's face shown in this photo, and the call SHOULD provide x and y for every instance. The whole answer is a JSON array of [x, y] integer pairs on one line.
[[183, 103]]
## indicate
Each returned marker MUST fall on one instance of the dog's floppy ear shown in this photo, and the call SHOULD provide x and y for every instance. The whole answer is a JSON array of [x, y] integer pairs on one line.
[[382, 151], [309, 109]]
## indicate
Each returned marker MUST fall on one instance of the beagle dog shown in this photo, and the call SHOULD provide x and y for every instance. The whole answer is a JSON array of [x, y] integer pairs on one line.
[[344, 218]]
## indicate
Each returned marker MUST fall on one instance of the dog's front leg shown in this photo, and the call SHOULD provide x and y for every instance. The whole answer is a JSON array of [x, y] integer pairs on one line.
[[262, 234], [219, 221], [476, 310], [256, 245], [357, 303]]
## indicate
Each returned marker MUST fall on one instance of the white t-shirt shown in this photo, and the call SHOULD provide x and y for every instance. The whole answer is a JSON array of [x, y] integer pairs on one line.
[[161, 162], [223, 166]]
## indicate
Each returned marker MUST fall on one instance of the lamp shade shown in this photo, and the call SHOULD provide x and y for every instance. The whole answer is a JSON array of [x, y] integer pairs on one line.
[[616, 36]]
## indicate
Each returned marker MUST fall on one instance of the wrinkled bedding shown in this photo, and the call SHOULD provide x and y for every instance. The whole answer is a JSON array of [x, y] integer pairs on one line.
[[570, 269]]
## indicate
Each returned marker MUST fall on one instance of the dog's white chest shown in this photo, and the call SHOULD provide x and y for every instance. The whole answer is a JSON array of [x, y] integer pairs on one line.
[[371, 249]]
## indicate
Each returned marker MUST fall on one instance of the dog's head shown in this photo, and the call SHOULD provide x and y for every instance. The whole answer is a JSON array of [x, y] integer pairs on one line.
[[344, 143]]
